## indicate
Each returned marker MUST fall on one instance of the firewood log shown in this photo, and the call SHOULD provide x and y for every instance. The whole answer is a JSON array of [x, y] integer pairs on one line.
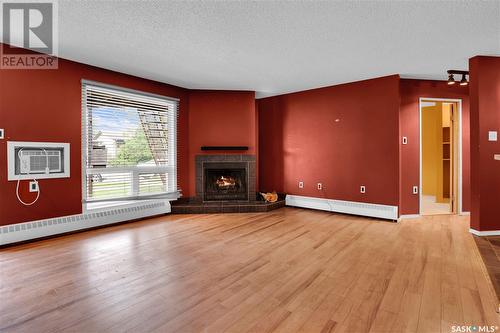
[[270, 197]]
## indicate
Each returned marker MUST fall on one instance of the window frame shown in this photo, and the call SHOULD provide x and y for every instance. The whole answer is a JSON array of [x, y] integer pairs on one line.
[[136, 171]]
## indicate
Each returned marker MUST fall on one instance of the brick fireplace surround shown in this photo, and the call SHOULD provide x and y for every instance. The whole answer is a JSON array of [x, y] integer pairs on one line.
[[226, 161]]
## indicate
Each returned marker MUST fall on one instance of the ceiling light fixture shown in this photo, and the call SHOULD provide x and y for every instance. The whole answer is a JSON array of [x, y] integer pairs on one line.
[[464, 81], [451, 78]]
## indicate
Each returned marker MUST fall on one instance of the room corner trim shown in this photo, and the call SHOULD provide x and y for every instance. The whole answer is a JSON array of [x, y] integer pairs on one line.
[[345, 207], [484, 233]]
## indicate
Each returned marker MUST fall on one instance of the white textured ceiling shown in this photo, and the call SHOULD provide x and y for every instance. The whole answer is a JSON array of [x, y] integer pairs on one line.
[[277, 47]]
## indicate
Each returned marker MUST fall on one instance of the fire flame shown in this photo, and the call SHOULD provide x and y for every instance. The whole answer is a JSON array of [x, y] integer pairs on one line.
[[225, 181]]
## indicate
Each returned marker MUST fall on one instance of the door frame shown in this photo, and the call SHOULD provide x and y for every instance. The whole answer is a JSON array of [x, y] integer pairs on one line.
[[459, 157]]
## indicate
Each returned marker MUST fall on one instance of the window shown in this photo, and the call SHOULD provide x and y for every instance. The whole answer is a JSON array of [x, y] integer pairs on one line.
[[129, 144]]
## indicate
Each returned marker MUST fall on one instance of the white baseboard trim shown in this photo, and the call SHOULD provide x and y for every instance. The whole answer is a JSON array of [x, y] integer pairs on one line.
[[89, 219], [409, 216], [414, 216], [484, 233], [346, 207]]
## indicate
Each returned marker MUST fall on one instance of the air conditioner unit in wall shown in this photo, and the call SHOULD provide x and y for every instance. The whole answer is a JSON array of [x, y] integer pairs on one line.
[[37, 160]]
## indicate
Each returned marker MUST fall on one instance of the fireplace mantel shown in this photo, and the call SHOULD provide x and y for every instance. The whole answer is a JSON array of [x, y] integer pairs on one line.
[[204, 148]]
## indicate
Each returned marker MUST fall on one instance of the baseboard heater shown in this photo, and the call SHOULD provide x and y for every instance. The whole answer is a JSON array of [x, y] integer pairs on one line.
[[345, 207], [15, 233]]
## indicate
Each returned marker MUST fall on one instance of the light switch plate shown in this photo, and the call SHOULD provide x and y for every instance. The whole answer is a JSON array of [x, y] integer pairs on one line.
[[415, 189], [2, 133], [362, 189], [492, 136], [496, 157], [405, 140]]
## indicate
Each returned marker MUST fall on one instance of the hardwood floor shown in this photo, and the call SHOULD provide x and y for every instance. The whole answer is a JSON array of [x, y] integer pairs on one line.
[[290, 270], [489, 248]]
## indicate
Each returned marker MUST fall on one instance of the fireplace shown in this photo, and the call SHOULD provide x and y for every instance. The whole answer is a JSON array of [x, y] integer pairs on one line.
[[227, 177], [225, 184]]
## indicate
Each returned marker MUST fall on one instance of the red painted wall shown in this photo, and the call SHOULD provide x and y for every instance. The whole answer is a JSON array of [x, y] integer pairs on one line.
[[271, 144], [342, 136], [485, 116], [220, 118], [45, 105], [411, 91]]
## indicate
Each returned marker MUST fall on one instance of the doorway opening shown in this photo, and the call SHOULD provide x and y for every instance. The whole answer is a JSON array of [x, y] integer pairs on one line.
[[440, 156]]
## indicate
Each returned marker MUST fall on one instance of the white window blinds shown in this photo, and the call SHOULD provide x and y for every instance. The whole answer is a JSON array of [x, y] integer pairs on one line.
[[129, 144]]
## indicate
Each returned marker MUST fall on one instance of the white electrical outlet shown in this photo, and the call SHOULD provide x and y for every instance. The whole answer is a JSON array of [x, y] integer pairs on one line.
[[301, 184], [2, 133], [415, 189], [492, 135], [33, 186], [320, 186], [362, 189]]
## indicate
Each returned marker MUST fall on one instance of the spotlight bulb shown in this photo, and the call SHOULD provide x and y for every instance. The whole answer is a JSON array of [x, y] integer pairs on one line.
[[451, 79], [463, 82]]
